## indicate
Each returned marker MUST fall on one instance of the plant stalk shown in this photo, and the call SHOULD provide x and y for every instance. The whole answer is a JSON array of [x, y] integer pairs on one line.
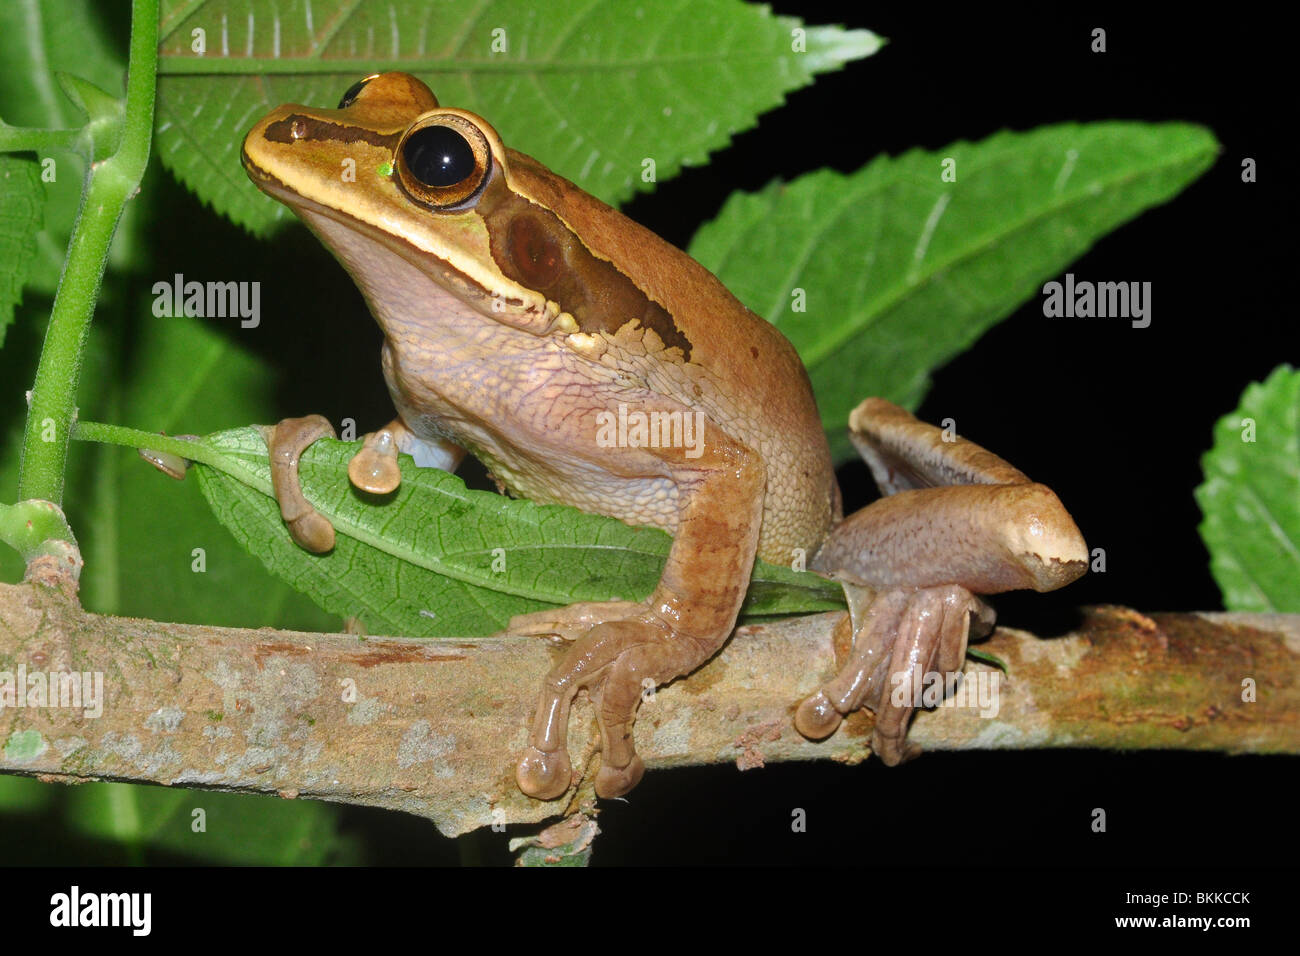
[[109, 185]]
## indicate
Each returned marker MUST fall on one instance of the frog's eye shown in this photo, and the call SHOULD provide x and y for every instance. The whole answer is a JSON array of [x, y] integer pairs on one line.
[[443, 161], [354, 91]]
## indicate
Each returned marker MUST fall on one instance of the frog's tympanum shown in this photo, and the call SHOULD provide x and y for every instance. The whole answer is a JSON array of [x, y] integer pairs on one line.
[[516, 309]]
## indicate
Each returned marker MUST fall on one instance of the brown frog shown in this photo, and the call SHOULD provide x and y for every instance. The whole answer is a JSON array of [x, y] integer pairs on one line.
[[519, 313]]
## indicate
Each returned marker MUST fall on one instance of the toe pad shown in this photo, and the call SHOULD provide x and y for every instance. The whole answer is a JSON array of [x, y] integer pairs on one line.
[[542, 775]]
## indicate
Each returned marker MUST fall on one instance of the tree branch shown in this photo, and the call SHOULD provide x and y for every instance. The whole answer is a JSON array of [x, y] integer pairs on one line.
[[436, 725]]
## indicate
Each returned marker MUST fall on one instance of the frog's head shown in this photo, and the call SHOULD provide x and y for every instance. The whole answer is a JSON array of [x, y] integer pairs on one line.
[[404, 191], [408, 193]]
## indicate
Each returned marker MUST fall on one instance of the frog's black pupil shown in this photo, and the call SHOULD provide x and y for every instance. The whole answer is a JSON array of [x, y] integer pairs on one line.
[[353, 92], [438, 156]]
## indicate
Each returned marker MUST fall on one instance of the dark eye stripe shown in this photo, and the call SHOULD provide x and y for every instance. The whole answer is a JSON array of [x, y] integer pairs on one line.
[[311, 128]]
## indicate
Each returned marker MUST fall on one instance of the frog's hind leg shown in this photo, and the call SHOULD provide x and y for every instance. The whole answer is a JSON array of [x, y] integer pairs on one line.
[[956, 521]]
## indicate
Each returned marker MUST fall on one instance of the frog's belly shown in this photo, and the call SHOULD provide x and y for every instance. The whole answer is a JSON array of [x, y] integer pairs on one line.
[[561, 480], [638, 501], [530, 412], [528, 415]]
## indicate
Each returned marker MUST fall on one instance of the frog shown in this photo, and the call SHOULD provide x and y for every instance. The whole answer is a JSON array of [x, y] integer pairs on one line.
[[519, 312]]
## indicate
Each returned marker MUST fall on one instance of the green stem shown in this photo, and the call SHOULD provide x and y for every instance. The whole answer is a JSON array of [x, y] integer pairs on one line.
[[16, 139], [108, 186], [221, 460], [135, 438]]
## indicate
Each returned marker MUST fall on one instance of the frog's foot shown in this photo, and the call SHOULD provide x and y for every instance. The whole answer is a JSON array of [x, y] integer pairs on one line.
[[374, 468], [285, 444], [615, 661], [905, 635]]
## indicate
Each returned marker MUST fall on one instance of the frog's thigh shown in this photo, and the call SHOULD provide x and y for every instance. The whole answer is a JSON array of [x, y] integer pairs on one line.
[[987, 538], [689, 616], [953, 513]]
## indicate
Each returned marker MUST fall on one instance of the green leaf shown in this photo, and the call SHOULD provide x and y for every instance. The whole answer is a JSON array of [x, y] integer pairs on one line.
[[236, 829], [1251, 498], [439, 560], [151, 544], [20, 219], [984, 657], [116, 823], [37, 39], [140, 532], [902, 271], [539, 850], [592, 90]]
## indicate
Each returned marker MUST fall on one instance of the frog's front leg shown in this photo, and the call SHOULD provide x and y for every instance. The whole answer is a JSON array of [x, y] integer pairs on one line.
[[957, 521], [373, 469], [680, 626]]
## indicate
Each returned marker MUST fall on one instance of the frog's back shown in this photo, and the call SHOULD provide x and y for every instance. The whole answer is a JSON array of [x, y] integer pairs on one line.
[[727, 361]]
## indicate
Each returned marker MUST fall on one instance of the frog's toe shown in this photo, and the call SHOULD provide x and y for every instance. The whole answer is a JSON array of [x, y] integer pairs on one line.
[[570, 622], [544, 776], [817, 717], [616, 781], [312, 531], [860, 679], [374, 468], [929, 643], [285, 444], [894, 748]]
